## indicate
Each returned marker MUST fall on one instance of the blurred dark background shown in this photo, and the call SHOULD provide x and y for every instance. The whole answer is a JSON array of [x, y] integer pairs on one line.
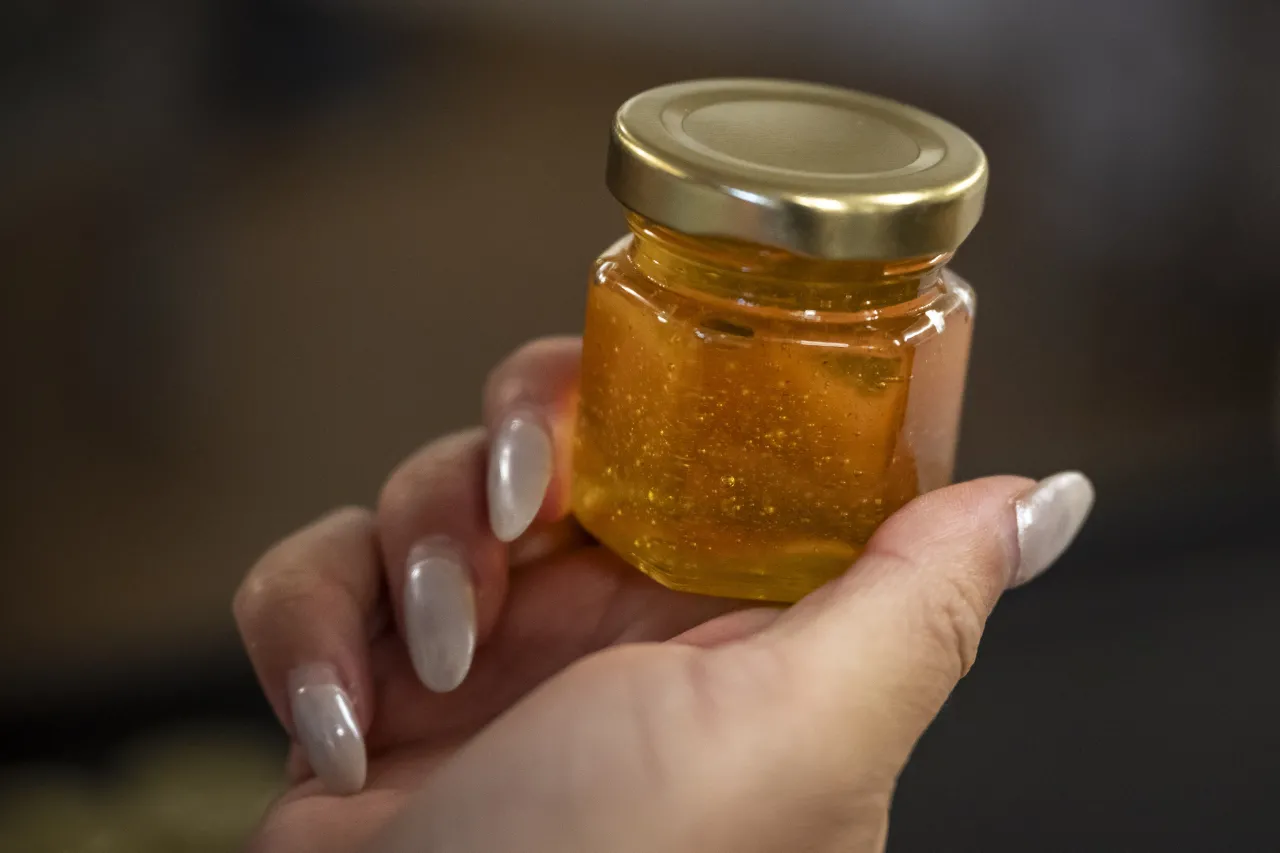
[[255, 251]]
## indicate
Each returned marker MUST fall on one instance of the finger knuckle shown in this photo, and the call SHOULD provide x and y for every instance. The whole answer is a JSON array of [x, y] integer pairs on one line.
[[403, 491], [954, 617], [505, 383], [250, 597], [280, 578], [242, 603], [348, 518], [270, 597], [398, 490], [453, 464]]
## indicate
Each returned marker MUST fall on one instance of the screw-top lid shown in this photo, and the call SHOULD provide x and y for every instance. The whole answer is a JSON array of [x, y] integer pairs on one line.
[[816, 170]]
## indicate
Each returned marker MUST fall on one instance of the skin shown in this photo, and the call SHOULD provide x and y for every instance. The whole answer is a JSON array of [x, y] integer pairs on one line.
[[603, 711]]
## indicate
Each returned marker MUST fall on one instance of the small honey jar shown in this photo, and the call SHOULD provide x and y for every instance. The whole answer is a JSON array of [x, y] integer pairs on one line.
[[774, 356]]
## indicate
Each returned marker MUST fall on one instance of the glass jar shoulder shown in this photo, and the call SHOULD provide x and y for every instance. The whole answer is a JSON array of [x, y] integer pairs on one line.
[[932, 303]]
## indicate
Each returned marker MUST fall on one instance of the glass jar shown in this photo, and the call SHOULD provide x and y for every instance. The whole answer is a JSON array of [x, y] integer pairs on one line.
[[774, 357]]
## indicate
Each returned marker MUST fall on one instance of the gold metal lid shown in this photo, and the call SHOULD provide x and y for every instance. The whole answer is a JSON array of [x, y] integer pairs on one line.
[[812, 169]]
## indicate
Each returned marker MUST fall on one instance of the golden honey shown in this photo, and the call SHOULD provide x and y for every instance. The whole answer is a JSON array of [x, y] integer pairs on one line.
[[751, 413]]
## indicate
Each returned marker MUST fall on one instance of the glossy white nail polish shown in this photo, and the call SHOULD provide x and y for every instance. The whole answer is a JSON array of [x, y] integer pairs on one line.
[[439, 614], [325, 726], [1049, 517], [520, 459]]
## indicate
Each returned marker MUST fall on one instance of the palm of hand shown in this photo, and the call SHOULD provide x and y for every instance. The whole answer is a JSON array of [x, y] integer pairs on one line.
[[625, 707]]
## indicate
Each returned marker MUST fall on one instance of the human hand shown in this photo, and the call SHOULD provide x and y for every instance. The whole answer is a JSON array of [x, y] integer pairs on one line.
[[603, 711]]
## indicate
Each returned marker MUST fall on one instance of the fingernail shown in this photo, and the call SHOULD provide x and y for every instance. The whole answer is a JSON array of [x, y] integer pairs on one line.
[[1049, 517], [439, 615], [325, 725], [519, 473]]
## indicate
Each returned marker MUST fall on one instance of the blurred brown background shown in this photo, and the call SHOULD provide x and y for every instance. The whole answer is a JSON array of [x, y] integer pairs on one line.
[[255, 251]]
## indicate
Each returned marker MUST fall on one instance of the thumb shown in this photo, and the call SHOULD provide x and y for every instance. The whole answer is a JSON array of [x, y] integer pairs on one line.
[[873, 656]]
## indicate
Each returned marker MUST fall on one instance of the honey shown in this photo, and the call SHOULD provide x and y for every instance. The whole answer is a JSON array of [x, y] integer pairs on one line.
[[750, 413]]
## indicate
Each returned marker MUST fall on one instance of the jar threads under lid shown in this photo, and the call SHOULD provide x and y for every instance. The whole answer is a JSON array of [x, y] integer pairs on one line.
[[812, 169]]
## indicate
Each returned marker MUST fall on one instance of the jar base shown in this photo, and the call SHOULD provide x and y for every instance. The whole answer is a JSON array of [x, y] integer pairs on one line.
[[751, 588], [782, 577]]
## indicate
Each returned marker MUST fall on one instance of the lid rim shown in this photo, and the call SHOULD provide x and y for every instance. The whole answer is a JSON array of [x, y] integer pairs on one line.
[[868, 214]]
